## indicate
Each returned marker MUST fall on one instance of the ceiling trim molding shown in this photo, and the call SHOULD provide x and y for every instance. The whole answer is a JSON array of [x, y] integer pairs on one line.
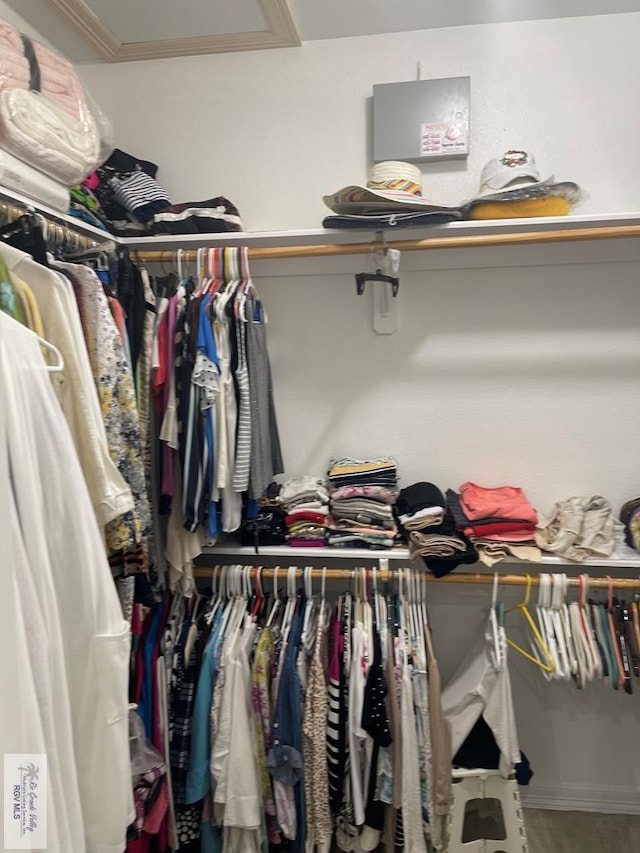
[[282, 32]]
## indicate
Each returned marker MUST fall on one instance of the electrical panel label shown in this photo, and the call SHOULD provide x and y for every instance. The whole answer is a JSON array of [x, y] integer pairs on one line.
[[437, 138]]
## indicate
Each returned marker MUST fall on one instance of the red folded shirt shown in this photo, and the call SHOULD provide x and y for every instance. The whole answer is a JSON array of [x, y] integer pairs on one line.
[[305, 515]]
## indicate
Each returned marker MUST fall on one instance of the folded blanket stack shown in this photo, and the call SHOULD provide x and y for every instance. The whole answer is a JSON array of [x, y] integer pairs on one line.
[[500, 521], [429, 529], [58, 80], [361, 508], [15, 71], [45, 117], [305, 500]]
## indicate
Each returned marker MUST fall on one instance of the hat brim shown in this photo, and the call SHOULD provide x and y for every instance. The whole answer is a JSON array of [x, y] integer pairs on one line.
[[355, 199], [511, 186], [536, 189]]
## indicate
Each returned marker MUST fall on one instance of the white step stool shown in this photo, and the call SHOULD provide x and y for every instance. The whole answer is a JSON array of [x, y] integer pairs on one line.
[[481, 784]]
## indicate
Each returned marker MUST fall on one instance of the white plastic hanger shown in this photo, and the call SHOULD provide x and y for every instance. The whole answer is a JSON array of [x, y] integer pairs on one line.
[[308, 607], [570, 640], [546, 629], [291, 603], [275, 607], [589, 627], [498, 649], [58, 367], [563, 666]]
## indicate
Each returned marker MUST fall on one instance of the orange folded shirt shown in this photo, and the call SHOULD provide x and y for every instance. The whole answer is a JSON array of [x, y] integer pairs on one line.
[[503, 502]]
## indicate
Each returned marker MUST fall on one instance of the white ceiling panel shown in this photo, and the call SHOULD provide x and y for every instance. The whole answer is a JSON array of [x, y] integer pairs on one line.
[[151, 20], [325, 19], [154, 28]]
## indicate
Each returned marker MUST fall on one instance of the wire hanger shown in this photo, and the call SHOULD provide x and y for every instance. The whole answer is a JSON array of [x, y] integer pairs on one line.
[[548, 664]]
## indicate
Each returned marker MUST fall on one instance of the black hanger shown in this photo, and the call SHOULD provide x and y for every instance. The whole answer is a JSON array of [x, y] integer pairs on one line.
[[26, 234], [363, 277]]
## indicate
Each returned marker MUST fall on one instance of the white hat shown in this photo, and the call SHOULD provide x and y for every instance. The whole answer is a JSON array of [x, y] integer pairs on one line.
[[392, 186], [514, 176], [513, 170]]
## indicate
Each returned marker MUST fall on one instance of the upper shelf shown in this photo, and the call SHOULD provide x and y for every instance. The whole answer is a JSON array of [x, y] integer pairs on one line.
[[321, 242]]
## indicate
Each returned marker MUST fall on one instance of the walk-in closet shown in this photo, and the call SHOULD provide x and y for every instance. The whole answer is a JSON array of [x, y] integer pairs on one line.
[[319, 394]]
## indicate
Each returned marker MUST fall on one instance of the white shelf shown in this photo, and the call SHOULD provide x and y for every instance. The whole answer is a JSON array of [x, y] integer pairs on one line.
[[624, 558], [324, 236]]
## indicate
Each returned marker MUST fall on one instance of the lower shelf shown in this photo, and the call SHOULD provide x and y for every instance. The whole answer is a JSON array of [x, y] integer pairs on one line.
[[622, 558]]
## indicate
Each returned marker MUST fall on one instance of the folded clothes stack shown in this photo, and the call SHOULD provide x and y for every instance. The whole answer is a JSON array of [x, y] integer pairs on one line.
[[580, 528], [305, 501], [429, 529], [500, 521], [362, 496]]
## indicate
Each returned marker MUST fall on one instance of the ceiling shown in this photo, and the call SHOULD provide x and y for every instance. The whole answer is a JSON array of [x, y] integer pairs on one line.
[[120, 30]]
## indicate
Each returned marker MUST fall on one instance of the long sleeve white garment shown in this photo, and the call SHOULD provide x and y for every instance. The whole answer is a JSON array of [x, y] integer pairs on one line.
[[60, 531], [25, 721], [411, 805], [75, 387], [481, 686]]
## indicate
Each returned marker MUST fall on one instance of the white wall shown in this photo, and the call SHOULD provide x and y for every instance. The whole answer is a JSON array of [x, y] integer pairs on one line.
[[518, 366], [275, 130], [19, 22]]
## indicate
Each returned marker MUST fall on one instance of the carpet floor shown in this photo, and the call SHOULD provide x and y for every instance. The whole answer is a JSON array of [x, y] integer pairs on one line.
[[581, 832]]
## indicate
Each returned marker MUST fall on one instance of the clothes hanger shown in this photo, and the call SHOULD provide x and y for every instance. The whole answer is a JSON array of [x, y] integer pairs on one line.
[[600, 644], [565, 626], [493, 622], [588, 627], [58, 366], [259, 597], [563, 665], [546, 629], [291, 603], [623, 646], [583, 670], [547, 665], [634, 651], [308, 605], [276, 600], [613, 633], [612, 662], [635, 619]]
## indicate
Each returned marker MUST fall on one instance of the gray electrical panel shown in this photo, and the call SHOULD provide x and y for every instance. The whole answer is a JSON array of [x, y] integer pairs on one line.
[[421, 120]]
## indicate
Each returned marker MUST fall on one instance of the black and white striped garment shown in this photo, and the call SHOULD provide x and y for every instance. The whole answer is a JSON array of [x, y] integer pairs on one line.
[[140, 194], [337, 743], [243, 433]]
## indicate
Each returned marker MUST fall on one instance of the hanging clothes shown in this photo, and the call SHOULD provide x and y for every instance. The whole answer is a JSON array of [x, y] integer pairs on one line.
[[110, 495], [127, 537], [61, 543]]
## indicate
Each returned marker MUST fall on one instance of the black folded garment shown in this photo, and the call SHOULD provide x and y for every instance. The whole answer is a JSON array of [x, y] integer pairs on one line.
[[396, 219], [419, 496], [120, 161], [212, 216]]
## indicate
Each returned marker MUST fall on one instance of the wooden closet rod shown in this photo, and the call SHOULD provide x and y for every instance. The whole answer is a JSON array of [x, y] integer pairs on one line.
[[566, 235], [455, 578]]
